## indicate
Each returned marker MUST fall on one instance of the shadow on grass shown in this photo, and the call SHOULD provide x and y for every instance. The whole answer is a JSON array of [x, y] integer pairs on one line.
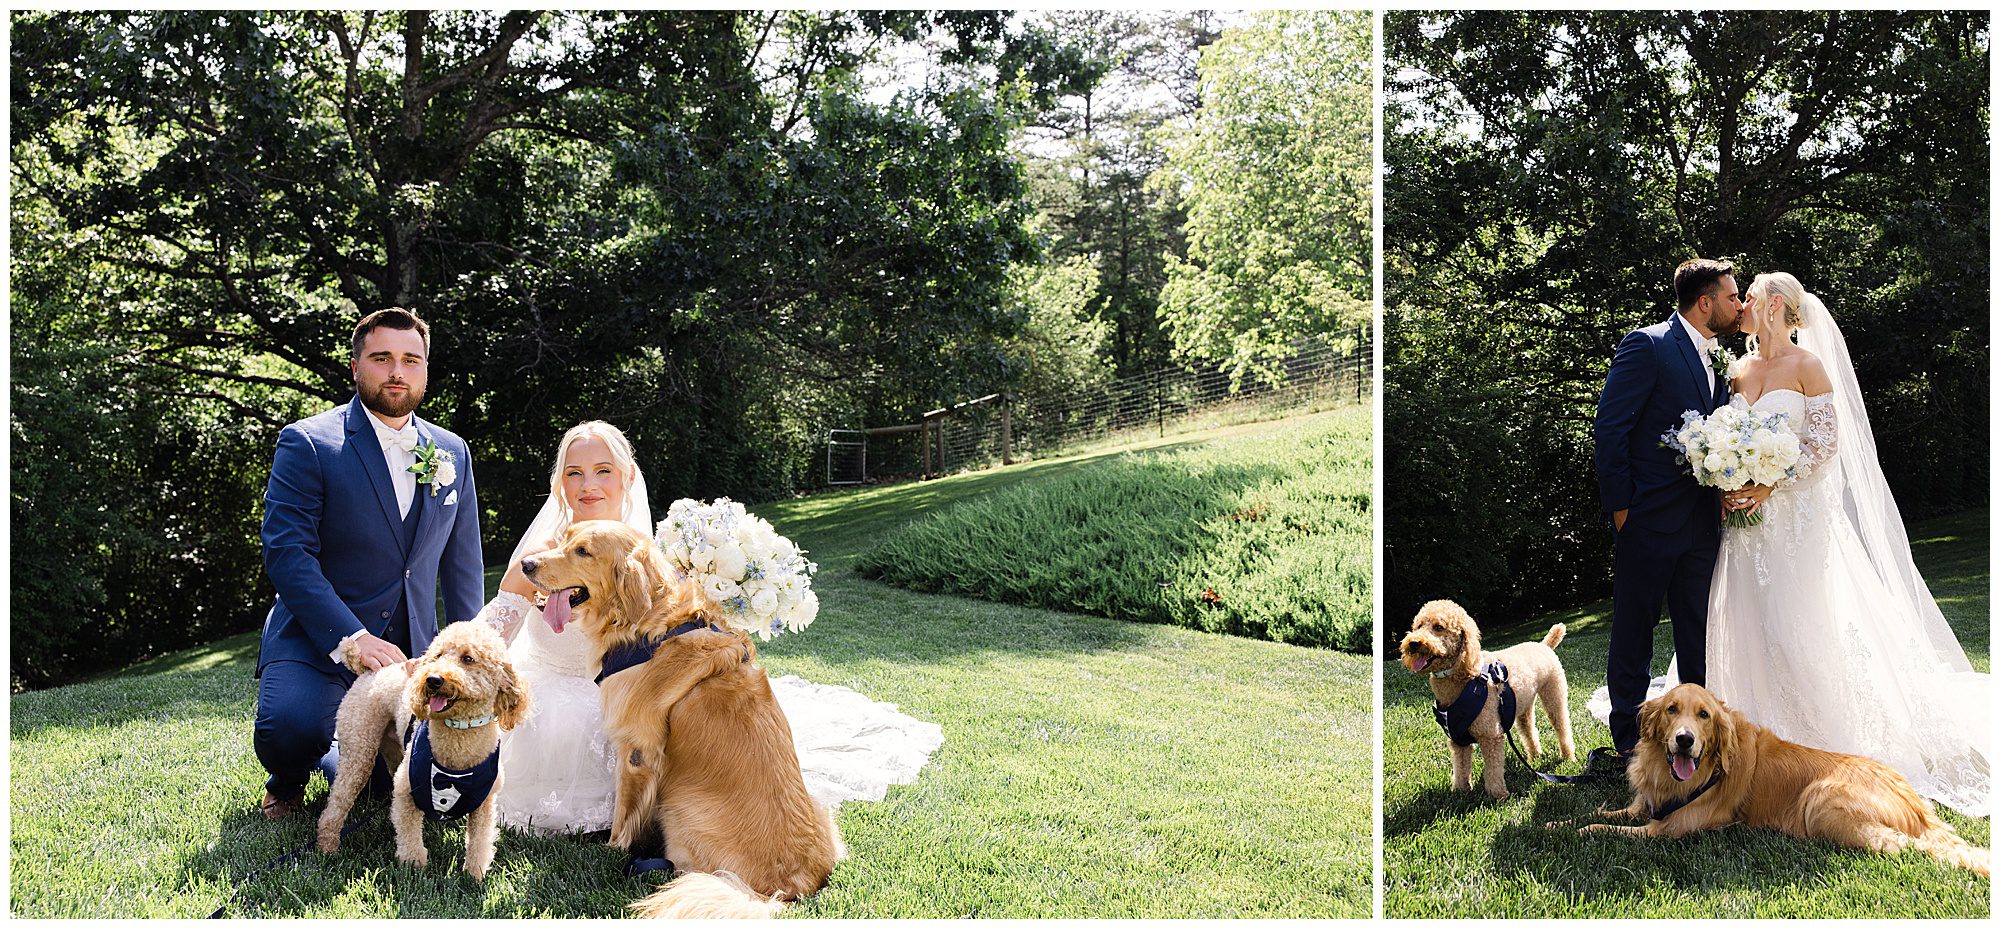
[[591, 879], [1437, 803], [1601, 866]]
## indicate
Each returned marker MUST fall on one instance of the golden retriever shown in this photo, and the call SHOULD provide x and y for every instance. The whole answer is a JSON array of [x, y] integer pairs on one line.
[[1444, 642], [466, 687], [706, 753], [1691, 743]]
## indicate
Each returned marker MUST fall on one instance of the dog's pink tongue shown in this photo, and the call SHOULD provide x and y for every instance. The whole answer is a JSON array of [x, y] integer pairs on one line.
[[438, 704], [1422, 662], [1683, 767], [556, 611]]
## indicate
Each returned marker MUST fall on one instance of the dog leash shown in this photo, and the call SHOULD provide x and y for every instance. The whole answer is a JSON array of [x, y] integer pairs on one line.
[[288, 856], [1565, 779]]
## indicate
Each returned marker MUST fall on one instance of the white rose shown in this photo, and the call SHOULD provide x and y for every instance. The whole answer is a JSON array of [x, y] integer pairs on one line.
[[720, 590], [702, 558], [1712, 464], [806, 610], [729, 560], [447, 472], [764, 601]]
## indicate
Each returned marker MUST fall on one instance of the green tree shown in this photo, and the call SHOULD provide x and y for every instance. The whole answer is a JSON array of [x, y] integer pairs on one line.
[[1276, 173], [1089, 158]]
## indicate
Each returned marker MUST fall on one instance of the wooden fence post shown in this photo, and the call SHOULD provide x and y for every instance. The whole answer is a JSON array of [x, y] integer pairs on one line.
[[1006, 432]]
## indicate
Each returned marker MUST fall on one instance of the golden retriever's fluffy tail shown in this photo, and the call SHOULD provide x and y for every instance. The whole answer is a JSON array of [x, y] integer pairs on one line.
[[707, 896], [1555, 636], [1944, 843]]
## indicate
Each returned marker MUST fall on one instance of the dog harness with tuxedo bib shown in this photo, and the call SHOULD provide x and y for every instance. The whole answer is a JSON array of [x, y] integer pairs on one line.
[[1456, 720], [442, 793]]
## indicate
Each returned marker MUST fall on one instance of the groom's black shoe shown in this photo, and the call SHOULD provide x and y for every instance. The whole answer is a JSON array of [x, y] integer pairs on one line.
[[1611, 760]]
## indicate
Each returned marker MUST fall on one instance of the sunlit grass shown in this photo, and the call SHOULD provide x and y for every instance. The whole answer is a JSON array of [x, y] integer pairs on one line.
[[1090, 768], [1449, 854]]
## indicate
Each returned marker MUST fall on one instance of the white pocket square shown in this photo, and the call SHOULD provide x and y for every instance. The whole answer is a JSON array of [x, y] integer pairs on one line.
[[451, 498]]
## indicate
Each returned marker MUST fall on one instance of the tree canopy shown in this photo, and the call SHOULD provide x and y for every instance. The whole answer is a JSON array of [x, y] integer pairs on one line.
[[705, 227], [1277, 175], [1547, 171]]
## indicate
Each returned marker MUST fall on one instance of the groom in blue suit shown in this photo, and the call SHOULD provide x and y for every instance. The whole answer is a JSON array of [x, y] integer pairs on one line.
[[358, 543], [1668, 527]]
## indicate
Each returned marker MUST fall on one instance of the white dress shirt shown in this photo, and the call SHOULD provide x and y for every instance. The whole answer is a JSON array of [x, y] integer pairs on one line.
[[1703, 346], [399, 453]]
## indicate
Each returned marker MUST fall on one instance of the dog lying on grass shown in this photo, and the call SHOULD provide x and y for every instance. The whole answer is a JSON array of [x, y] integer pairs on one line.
[[1700, 765], [460, 695], [1443, 641]]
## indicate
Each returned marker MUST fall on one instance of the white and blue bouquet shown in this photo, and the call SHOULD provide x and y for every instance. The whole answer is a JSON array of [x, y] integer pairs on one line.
[[758, 580], [1732, 448]]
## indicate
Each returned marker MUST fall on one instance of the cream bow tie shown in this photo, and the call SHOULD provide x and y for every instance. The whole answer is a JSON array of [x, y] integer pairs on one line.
[[406, 440]]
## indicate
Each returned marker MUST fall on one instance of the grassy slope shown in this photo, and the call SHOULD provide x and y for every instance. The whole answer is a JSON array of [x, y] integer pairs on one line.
[[1091, 768], [1269, 536], [1450, 854]]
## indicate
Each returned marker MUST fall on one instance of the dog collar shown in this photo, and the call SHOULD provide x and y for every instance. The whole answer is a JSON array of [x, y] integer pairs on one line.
[[1441, 675], [468, 723], [1674, 806]]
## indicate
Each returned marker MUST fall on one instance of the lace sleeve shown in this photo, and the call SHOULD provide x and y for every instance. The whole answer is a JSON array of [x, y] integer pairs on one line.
[[504, 613], [1818, 438]]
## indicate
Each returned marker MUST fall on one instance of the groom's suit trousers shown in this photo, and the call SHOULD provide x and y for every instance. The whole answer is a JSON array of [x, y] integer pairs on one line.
[[297, 703], [1651, 568]]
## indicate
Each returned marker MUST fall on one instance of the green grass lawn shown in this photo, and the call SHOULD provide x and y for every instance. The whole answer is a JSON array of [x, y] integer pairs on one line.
[[1451, 854], [1269, 536], [1091, 768]]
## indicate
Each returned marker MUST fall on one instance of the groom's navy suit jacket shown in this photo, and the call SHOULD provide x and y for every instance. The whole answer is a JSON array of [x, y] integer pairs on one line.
[[336, 547], [1655, 376]]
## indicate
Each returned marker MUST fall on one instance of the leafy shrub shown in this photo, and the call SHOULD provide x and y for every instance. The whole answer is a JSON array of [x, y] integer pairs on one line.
[[1268, 536]]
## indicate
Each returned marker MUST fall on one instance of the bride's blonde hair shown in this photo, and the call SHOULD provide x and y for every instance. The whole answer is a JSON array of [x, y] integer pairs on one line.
[[621, 457], [1790, 294]]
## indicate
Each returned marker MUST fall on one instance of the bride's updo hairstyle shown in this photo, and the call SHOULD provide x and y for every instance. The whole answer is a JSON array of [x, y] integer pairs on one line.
[[621, 458], [1789, 292]]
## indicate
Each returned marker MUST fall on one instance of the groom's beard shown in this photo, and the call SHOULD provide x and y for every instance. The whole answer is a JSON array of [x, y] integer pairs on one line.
[[391, 405]]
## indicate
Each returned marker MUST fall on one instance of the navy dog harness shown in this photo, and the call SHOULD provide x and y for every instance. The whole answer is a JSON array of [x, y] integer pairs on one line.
[[442, 793], [634, 654], [1456, 720]]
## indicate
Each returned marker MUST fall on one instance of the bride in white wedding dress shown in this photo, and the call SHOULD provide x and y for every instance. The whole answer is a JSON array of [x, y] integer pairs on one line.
[[1820, 627], [557, 770]]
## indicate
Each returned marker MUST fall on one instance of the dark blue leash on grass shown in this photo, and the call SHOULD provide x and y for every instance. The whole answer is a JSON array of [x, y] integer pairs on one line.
[[288, 856]]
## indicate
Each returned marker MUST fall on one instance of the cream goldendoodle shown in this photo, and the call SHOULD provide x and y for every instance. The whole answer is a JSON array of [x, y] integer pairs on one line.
[[1444, 642], [458, 697]]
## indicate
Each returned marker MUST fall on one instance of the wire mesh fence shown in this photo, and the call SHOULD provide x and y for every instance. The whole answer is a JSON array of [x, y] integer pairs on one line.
[[1320, 373]]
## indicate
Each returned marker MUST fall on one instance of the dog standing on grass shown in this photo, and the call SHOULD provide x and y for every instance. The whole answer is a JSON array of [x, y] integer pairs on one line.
[[458, 697], [1444, 642]]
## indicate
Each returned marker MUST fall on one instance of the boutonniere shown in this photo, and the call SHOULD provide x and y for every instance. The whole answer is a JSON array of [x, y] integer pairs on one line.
[[434, 466], [1723, 361]]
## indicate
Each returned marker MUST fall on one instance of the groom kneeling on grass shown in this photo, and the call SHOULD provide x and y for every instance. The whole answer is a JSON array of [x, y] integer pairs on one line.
[[368, 508], [1667, 527]]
